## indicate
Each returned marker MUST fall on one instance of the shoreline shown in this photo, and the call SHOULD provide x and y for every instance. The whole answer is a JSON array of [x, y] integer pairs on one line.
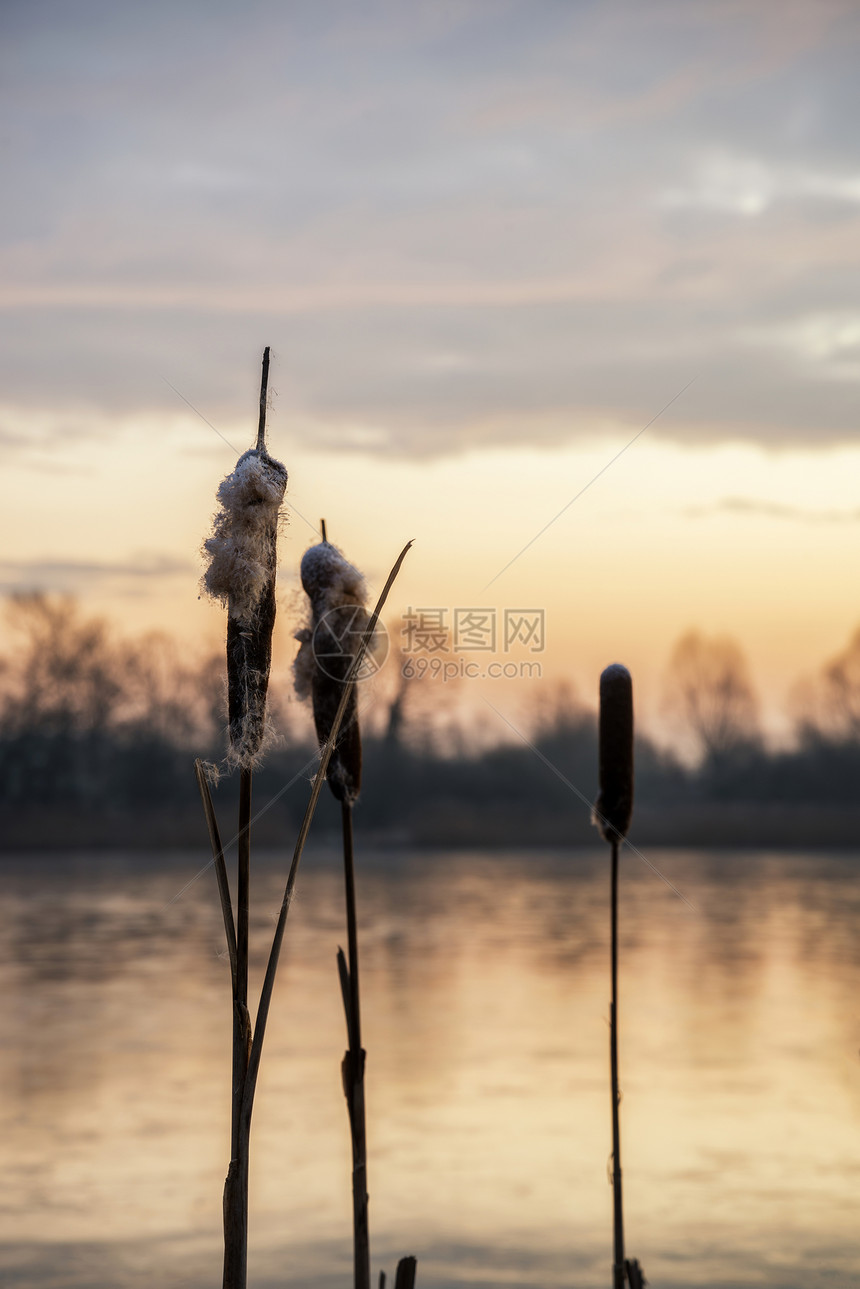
[[448, 827]]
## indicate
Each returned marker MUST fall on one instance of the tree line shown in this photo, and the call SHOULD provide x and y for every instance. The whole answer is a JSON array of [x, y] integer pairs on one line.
[[91, 724]]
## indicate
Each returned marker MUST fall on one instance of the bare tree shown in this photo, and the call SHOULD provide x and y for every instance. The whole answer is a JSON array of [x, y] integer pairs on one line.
[[710, 693], [82, 711], [68, 674], [409, 708], [828, 707], [168, 697], [557, 709], [64, 678]]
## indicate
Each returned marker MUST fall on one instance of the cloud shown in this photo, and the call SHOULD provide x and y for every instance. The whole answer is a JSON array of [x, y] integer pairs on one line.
[[473, 223], [439, 378], [772, 510], [71, 577], [748, 186], [828, 343]]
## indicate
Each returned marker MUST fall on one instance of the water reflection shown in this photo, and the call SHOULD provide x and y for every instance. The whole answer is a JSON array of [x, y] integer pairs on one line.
[[485, 1002]]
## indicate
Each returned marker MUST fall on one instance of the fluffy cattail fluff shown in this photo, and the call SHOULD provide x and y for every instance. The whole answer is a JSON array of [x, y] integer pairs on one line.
[[614, 807], [328, 646], [241, 574]]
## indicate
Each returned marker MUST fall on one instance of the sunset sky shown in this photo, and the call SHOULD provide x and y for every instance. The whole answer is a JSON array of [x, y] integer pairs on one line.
[[488, 243]]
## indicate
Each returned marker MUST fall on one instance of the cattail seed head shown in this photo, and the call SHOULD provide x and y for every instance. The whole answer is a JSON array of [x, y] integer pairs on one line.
[[240, 548], [328, 646], [613, 809], [241, 574]]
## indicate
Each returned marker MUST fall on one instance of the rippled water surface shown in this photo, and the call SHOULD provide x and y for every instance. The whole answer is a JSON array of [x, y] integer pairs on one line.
[[485, 992]]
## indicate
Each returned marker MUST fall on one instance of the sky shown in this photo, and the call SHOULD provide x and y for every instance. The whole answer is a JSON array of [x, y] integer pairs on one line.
[[566, 292]]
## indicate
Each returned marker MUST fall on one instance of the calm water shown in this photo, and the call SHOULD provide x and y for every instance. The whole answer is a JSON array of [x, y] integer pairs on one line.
[[485, 990]]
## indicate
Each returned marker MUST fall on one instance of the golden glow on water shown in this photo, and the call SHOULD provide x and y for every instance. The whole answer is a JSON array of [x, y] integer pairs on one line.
[[485, 1000]]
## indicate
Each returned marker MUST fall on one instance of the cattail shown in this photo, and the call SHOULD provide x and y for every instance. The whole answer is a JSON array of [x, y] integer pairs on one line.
[[245, 534], [243, 556], [326, 657], [612, 814], [241, 574], [328, 646], [614, 807]]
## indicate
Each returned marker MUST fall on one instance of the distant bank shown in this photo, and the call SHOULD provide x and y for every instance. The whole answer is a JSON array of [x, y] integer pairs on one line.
[[444, 824]]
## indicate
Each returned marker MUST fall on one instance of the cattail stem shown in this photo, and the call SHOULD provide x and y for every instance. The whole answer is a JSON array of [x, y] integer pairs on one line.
[[264, 394], [243, 889], [617, 1207], [236, 1224], [351, 918], [241, 574], [236, 1186], [241, 1020], [353, 1065], [336, 592]]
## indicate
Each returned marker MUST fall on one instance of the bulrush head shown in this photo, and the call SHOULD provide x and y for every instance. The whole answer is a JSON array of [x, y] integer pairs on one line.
[[241, 574], [613, 809], [241, 547], [328, 646]]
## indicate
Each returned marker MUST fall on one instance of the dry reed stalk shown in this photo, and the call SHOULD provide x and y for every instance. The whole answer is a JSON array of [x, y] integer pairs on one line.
[[612, 814]]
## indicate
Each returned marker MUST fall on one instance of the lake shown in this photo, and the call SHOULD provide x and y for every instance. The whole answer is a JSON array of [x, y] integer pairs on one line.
[[485, 988]]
